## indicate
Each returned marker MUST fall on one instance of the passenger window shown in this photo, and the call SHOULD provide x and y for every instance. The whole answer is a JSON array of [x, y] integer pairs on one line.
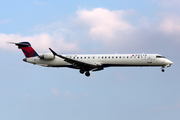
[[77, 57], [81, 57], [112, 57], [105, 57], [84, 57], [116, 57], [109, 56], [102, 57], [88, 57], [127, 56]]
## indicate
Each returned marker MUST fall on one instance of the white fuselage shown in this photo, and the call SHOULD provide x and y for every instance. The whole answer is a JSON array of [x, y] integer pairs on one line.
[[105, 60], [90, 62]]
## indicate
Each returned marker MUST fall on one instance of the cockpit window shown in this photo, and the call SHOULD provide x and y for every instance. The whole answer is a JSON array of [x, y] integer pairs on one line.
[[158, 56]]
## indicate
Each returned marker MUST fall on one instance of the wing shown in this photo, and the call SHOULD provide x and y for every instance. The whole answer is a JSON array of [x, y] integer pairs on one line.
[[75, 62]]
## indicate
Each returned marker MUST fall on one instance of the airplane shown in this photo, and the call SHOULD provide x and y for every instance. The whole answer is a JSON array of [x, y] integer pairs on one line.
[[91, 62]]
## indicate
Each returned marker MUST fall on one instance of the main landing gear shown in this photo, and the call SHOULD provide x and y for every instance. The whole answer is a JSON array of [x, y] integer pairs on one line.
[[87, 74], [82, 72]]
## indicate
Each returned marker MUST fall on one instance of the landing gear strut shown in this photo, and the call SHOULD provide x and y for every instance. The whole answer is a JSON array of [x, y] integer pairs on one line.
[[162, 69], [87, 74]]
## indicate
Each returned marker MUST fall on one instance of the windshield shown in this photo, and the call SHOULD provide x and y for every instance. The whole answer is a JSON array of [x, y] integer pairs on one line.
[[158, 56]]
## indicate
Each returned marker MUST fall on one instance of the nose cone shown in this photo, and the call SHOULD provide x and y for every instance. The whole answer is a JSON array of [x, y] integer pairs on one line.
[[171, 62], [168, 63]]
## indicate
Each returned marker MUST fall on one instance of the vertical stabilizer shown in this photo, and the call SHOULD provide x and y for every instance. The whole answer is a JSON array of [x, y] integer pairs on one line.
[[27, 49]]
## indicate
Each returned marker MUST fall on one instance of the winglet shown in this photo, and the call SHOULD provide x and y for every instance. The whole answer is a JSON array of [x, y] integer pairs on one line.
[[54, 53]]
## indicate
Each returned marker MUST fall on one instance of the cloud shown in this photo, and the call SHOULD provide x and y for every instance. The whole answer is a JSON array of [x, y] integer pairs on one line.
[[39, 3], [85, 94], [53, 28], [104, 24], [74, 96], [159, 108], [169, 3], [40, 42], [102, 30], [4, 21], [27, 96], [70, 96], [55, 92], [178, 105], [112, 30], [170, 23]]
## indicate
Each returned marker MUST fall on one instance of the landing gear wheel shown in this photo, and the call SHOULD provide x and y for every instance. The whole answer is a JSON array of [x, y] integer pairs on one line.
[[81, 71], [87, 74], [163, 70]]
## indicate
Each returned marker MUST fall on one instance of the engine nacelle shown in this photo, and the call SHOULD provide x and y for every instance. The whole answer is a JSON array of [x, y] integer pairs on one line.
[[47, 56]]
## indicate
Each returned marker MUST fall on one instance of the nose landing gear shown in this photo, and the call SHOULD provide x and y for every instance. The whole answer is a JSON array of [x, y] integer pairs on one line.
[[162, 69]]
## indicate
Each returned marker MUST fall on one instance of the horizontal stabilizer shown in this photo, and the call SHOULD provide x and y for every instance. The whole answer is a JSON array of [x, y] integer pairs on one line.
[[19, 44]]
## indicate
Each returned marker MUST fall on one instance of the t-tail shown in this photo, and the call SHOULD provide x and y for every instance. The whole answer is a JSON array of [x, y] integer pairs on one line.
[[26, 48]]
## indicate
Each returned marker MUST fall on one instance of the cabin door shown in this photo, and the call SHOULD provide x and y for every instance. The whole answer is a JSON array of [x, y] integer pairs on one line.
[[150, 59]]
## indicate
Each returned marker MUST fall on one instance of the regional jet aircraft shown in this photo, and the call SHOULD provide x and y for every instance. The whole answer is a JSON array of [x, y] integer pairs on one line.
[[91, 62]]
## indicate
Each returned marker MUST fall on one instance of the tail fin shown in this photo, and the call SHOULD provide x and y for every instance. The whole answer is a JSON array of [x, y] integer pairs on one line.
[[27, 49]]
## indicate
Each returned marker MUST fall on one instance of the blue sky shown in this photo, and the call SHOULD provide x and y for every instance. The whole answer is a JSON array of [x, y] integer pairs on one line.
[[133, 26]]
